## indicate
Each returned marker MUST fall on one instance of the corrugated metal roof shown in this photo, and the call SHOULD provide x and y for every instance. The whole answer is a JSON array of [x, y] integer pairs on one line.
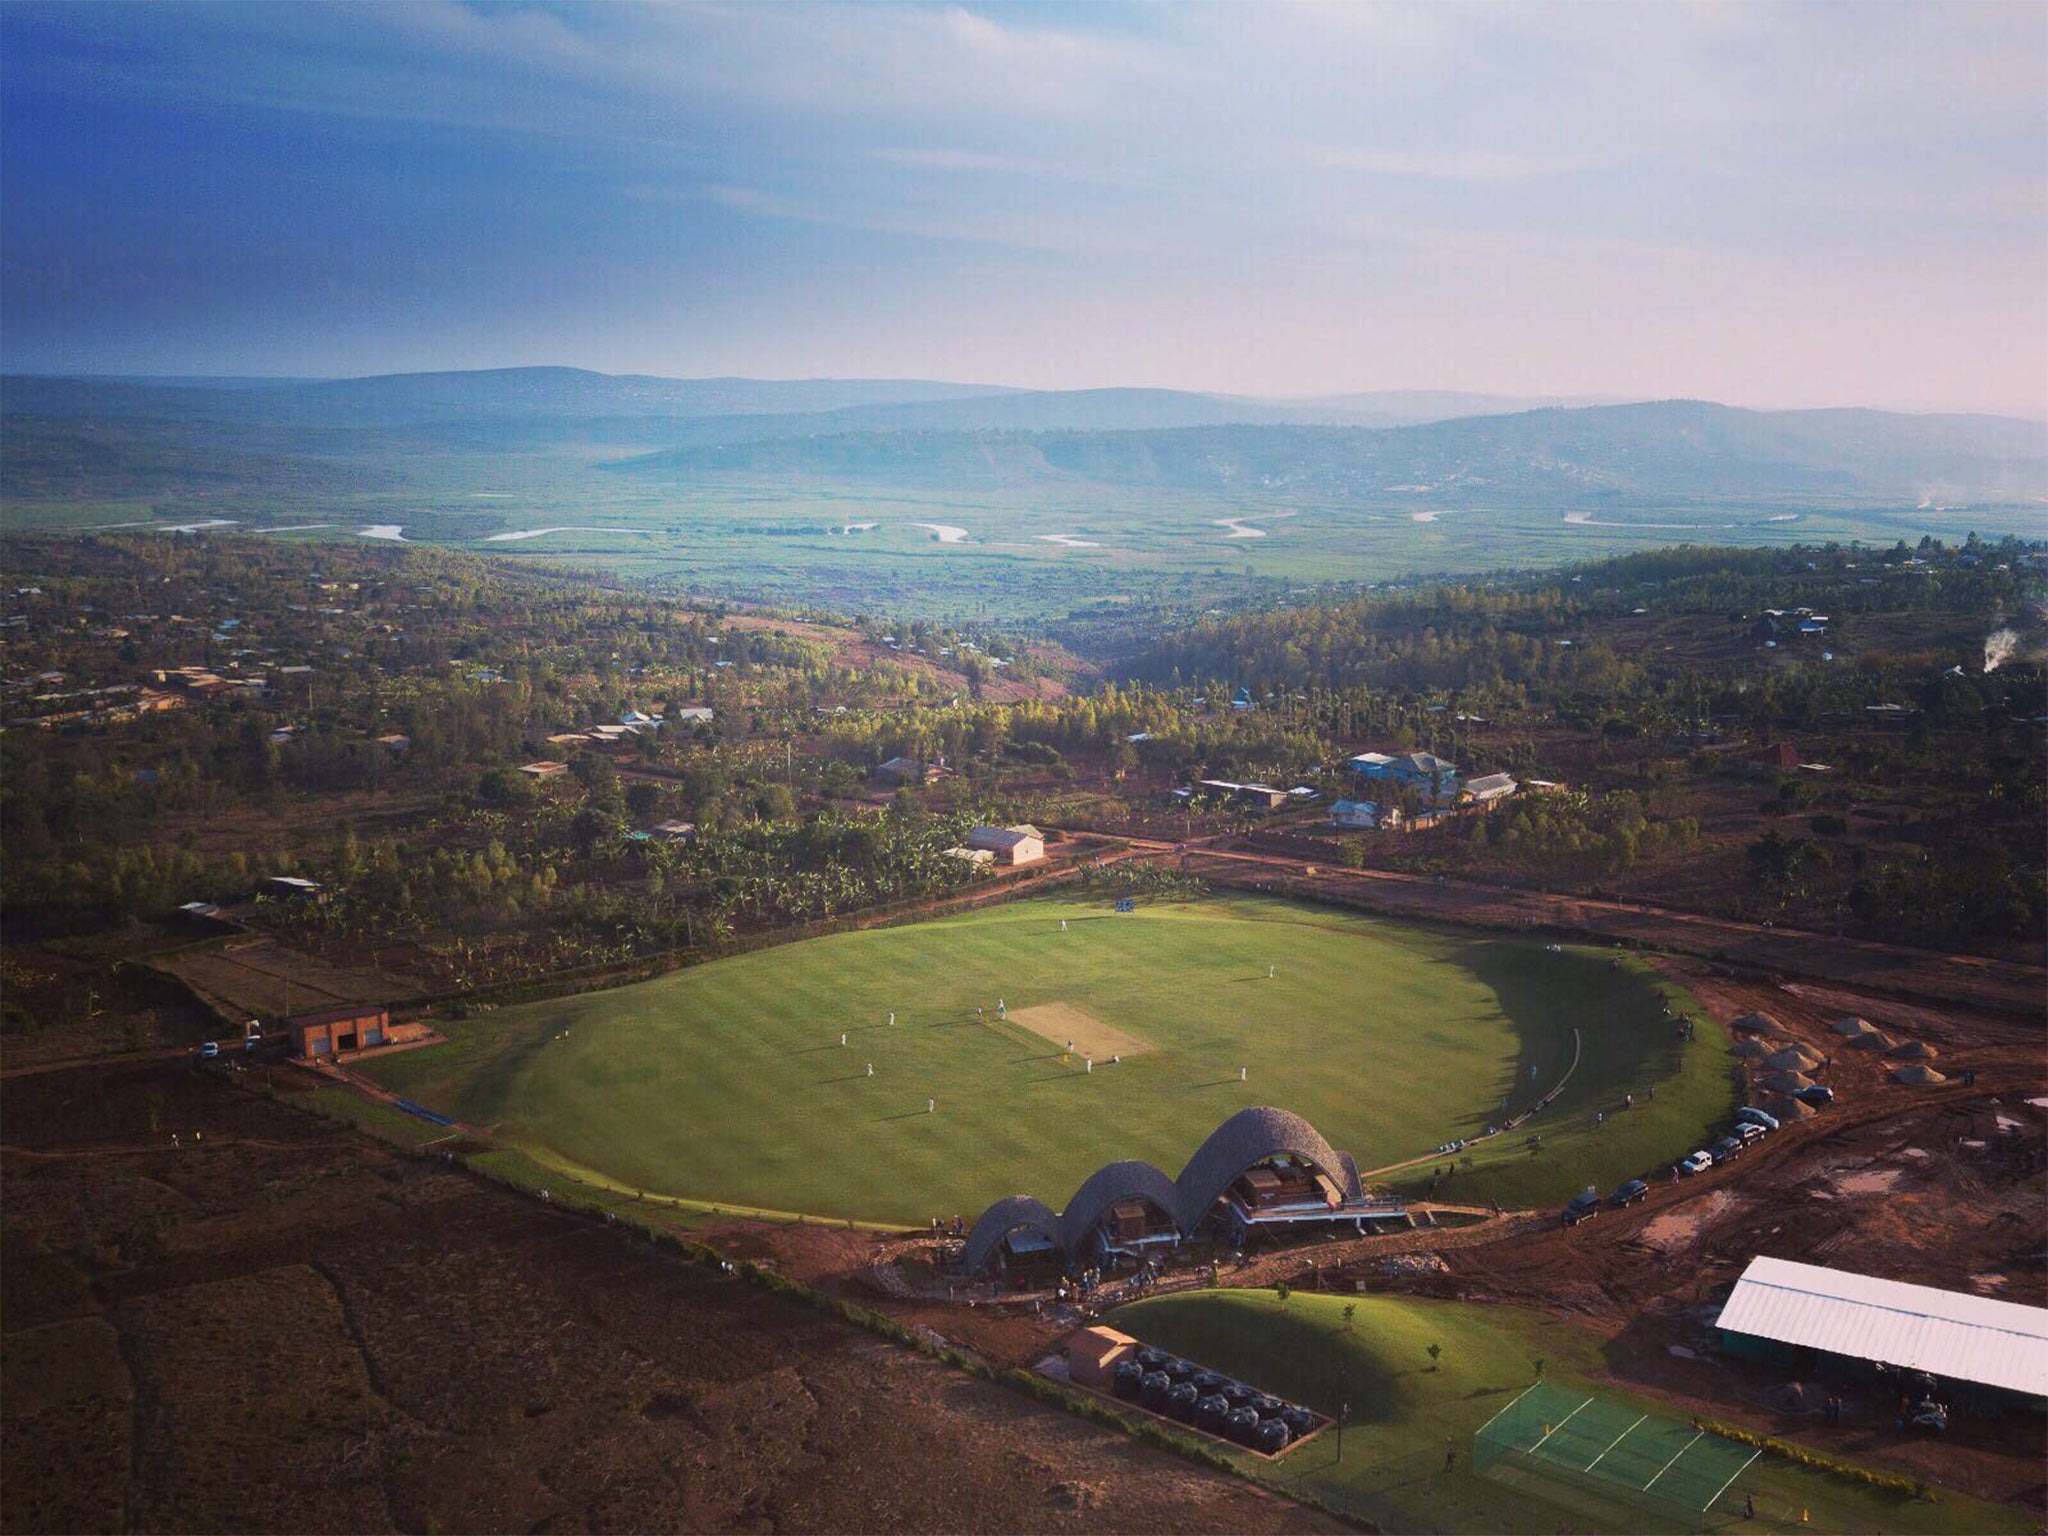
[[1965, 1338]]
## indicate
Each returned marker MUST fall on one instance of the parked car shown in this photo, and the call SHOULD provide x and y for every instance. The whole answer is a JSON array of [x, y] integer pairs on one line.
[[1752, 1116], [1724, 1149], [1820, 1095], [208, 1051], [1699, 1162], [1747, 1133], [1630, 1193], [1584, 1205]]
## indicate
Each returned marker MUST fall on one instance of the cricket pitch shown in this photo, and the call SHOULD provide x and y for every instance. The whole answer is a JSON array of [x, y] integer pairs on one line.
[[1061, 1022]]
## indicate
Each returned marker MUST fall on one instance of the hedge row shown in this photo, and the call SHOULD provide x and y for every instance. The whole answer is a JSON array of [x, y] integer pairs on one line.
[[1890, 1482]]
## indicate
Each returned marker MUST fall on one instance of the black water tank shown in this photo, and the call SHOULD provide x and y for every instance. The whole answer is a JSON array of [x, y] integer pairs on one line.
[[1271, 1436], [1152, 1390], [1242, 1425], [1180, 1400], [1153, 1359], [1299, 1421], [1125, 1378], [1211, 1411]]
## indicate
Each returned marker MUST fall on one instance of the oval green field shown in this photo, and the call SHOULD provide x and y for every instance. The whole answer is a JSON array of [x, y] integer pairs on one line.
[[727, 1082]]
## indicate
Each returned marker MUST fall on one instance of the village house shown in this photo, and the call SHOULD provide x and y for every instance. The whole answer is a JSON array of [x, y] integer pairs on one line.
[[1488, 788], [1262, 796], [1421, 770], [910, 770], [1021, 844], [544, 770]]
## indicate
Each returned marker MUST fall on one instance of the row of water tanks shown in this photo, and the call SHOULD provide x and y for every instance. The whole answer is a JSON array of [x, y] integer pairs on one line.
[[1182, 1390]]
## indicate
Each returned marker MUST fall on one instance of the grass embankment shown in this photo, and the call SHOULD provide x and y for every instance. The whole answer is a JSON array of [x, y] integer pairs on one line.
[[726, 1083], [1403, 1406]]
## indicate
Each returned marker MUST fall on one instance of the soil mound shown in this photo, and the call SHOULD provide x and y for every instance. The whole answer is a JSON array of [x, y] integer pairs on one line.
[[1920, 1076]]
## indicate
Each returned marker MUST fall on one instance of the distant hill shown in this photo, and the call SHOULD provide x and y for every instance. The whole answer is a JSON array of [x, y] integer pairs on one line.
[[404, 399], [1669, 448], [731, 409]]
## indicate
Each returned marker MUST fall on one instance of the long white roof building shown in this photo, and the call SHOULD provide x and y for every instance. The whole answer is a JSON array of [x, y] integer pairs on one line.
[[1946, 1333]]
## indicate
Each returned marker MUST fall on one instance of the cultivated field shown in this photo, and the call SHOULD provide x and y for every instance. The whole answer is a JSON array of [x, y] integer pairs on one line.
[[286, 1327], [729, 1082]]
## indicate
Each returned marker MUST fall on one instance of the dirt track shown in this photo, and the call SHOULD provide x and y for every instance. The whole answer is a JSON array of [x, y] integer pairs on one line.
[[1913, 974], [285, 1327]]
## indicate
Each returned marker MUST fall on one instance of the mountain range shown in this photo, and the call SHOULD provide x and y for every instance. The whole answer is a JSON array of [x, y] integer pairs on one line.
[[97, 436]]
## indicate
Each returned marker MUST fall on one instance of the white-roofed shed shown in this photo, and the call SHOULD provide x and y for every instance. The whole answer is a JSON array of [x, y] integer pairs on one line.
[[1945, 1333]]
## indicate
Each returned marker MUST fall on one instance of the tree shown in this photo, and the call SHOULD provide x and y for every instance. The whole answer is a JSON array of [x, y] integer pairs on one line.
[[1350, 1314], [504, 789], [1433, 1352]]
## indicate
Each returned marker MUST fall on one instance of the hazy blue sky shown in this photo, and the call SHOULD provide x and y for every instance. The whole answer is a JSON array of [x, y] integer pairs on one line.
[[1792, 204]]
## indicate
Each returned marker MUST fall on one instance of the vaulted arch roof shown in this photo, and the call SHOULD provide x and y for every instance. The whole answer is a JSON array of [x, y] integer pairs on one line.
[[1110, 1185], [1007, 1216], [1248, 1137], [1251, 1136]]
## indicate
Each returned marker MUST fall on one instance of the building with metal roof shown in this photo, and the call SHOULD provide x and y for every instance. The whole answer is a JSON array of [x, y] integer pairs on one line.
[[1888, 1322]]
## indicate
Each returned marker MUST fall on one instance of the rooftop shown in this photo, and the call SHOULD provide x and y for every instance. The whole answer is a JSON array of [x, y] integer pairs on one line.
[[1946, 1333]]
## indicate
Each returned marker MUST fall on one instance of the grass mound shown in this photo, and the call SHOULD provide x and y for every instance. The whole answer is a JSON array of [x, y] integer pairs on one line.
[[1407, 1408]]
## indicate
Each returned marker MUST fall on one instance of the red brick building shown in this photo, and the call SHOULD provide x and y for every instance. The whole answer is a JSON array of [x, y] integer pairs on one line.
[[332, 1032]]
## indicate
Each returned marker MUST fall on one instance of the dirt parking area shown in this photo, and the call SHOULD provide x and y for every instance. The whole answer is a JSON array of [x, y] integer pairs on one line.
[[276, 1325], [1936, 1186]]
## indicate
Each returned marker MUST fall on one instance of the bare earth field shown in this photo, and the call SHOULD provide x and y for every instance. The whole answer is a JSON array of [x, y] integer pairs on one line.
[[260, 976], [281, 1326]]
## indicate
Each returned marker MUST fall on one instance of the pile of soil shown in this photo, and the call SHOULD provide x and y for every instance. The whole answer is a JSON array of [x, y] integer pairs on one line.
[[1925, 1077]]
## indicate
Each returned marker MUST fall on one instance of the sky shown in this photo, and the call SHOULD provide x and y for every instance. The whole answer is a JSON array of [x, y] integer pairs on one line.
[[1776, 205]]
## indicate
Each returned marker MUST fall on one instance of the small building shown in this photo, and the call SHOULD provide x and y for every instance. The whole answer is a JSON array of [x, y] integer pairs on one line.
[[672, 831], [1022, 844], [1488, 788], [1365, 815], [569, 739], [1093, 1353], [975, 856], [395, 743], [1780, 754], [292, 888], [691, 714], [910, 770], [343, 1030], [1810, 1315], [1262, 796], [543, 770]]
